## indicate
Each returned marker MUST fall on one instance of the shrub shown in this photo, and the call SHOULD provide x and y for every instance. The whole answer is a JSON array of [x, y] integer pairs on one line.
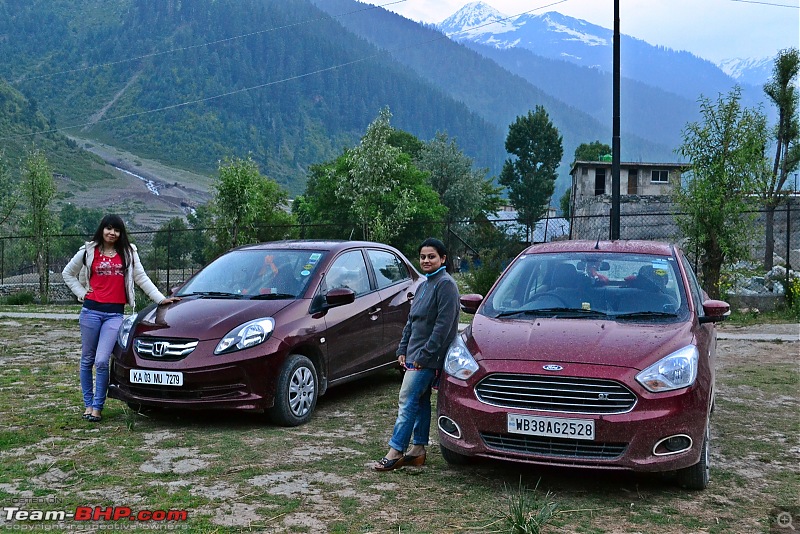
[[20, 299], [793, 297]]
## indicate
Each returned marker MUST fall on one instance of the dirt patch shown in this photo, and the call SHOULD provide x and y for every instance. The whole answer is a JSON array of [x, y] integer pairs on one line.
[[234, 473]]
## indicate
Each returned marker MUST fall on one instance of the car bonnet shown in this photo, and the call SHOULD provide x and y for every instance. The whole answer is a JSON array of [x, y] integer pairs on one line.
[[623, 344], [207, 318]]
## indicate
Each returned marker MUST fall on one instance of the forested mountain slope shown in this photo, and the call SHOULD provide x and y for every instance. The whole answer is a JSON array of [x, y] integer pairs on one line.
[[494, 92], [173, 81], [20, 119]]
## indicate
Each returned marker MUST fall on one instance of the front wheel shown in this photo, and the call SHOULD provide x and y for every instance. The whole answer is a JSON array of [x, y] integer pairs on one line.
[[453, 457], [696, 477], [296, 394]]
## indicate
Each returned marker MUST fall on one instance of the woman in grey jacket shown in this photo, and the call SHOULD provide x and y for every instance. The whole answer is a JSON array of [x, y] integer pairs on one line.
[[102, 275], [431, 327]]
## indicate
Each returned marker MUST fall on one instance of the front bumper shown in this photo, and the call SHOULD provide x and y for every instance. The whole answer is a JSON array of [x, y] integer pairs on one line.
[[623, 441], [243, 381]]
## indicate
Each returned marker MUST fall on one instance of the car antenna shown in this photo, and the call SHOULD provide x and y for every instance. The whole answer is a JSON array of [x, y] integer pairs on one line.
[[597, 245]]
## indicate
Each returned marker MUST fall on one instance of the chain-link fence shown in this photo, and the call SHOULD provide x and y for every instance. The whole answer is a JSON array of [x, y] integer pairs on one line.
[[171, 256]]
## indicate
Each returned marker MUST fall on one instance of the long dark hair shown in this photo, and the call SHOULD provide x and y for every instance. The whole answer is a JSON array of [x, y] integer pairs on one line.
[[122, 245]]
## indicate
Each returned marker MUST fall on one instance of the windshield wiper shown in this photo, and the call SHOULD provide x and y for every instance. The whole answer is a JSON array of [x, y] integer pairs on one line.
[[214, 294], [273, 296], [644, 315], [576, 312]]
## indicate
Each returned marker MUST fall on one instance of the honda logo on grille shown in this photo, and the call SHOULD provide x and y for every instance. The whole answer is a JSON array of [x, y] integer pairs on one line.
[[160, 348], [552, 367]]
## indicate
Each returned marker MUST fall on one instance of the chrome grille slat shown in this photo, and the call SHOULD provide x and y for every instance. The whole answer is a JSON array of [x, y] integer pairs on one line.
[[164, 349], [554, 447], [555, 394]]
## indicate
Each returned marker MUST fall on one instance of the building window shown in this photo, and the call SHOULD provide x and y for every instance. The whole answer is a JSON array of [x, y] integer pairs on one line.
[[633, 182], [659, 176], [599, 182]]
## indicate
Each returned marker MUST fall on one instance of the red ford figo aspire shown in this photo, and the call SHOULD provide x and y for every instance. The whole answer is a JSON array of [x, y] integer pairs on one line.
[[587, 354], [268, 327]]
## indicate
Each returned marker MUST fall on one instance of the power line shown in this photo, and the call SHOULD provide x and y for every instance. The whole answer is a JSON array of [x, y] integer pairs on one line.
[[765, 3], [261, 86], [201, 45]]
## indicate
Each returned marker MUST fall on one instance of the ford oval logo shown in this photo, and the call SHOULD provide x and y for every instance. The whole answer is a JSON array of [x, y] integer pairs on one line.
[[552, 367]]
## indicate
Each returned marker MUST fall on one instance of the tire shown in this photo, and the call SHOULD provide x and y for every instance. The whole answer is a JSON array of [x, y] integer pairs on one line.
[[296, 394], [453, 457], [696, 477]]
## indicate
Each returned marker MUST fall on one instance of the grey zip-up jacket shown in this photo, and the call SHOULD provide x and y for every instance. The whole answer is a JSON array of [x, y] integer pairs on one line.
[[76, 275], [432, 323]]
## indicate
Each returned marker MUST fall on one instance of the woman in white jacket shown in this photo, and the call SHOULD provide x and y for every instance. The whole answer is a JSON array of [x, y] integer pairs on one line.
[[102, 275]]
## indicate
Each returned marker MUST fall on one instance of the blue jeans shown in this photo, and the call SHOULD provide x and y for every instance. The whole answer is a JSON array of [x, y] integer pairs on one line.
[[98, 336], [414, 413]]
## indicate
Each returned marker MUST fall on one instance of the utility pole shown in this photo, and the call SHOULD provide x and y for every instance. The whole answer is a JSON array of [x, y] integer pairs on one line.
[[615, 151]]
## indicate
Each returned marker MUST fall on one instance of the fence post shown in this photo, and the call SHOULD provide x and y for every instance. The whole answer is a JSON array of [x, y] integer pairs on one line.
[[169, 244], [788, 243]]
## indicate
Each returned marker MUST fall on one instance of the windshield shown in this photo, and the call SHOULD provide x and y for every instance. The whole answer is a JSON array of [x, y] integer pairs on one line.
[[262, 274], [618, 286]]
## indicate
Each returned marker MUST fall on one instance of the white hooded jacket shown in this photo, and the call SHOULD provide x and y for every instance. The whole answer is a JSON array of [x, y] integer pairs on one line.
[[76, 275]]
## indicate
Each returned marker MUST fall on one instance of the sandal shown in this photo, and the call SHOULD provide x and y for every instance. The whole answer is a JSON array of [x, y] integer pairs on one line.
[[86, 415], [385, 464], [416, 461], [94, 418]]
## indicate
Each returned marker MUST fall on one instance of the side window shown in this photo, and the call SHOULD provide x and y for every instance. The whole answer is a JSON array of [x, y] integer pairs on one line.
[[349, 271], [389, 269], [697, 294]]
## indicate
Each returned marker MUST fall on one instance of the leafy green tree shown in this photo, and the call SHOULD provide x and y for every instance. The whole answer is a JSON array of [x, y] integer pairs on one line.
[[464, 191], [530, 176], [591, 151], [782, 91], [374, 167], [725, 154], [173, 245], [247, 207], [565, 204], [9, 196], [327, 207], [39, 221]]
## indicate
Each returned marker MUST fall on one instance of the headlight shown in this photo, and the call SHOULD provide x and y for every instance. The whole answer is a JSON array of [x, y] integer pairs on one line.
[[678, 370], [124, 333], [246, 335], [459, 362]]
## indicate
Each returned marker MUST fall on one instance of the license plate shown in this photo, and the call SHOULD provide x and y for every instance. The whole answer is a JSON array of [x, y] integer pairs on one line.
[[553, 427], [156, 378]]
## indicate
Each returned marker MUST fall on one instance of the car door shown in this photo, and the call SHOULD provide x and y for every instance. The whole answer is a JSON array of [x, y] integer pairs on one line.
[[396, 288], [354, 331]]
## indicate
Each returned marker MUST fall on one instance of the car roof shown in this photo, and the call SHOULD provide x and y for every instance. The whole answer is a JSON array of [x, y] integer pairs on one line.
[[313, 244], [655, 248]]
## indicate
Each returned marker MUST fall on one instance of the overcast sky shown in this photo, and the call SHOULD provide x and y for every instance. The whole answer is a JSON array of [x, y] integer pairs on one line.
[[711, 29]]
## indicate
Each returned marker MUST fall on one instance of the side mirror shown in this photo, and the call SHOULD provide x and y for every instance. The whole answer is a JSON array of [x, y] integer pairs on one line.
[[715, 311], [339, 297], [175, 289], [471, 302]]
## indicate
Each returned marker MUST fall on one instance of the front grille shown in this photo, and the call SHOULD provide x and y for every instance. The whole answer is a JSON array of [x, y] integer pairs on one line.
[[164, 349], [226, 392], [555, 393], [554, 447]]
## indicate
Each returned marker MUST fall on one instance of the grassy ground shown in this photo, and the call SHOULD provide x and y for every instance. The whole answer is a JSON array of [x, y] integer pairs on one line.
[[234, 473]]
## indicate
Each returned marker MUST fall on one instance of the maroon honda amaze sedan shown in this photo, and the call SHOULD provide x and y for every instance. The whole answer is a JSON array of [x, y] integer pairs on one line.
[[586, 354], [268, 327]]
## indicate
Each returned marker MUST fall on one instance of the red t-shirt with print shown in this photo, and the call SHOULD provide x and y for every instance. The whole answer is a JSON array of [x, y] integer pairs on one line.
[[107, 279]]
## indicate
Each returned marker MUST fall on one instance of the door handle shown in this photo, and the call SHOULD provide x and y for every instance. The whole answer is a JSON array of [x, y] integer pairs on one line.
[[373, 311]]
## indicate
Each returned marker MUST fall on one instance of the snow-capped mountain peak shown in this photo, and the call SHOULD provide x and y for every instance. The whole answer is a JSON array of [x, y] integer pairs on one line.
[[475, 19], [748, 70]]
